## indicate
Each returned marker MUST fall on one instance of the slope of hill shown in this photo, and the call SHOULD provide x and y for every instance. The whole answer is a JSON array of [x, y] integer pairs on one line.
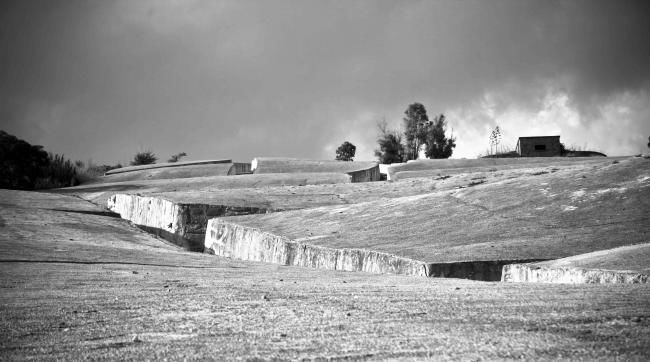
[[545, 215], [182, 216], [165, 165], [80, 284], [99, 193], [626, 264]]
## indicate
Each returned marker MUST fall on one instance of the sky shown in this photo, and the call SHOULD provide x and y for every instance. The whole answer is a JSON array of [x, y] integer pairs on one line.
[[99, 80]]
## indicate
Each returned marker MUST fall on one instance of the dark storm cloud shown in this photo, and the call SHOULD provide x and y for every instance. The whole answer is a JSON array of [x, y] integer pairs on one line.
[[103, 79]]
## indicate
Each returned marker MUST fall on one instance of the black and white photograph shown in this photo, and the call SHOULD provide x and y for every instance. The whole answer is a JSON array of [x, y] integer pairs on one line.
[[324, 180]]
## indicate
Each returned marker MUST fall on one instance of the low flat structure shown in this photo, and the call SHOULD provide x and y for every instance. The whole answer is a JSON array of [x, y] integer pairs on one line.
[[165, 165], [626, 264], [359, 171], [539, 146], [240, 168], [100, 192], [427, 167], [166, 173], [538, 216]]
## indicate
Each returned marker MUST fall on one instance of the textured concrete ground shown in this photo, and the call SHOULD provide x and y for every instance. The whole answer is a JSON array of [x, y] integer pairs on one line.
[[79, 284], [293, 165], [177, 164], [99, 193], [427, 167], [626, 264], [166, 173], [504, 215], [633, 258]]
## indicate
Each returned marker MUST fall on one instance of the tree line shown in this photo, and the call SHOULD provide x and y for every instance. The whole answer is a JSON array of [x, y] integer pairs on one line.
[[418, 131]]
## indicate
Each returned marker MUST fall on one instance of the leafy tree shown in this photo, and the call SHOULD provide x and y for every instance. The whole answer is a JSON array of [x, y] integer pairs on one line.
[[177, 157], [415, 124], [437, 144], [648, 142], [21, 164], [346, 151], [27, 167], [391, 149], [144, 158]]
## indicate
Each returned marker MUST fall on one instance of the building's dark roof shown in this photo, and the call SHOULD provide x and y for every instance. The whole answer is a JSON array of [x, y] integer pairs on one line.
[[539, 137]]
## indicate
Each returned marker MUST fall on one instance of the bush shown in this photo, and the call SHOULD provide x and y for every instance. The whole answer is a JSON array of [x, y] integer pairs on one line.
[[390, 149], [144, 158], [177, 157], [21, 164], [59, 172], [93, 172]]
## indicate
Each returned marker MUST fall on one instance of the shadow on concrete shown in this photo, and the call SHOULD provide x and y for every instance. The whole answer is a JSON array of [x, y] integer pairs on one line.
[[98, 188], [86, 212], [188, 244], [488, 271]]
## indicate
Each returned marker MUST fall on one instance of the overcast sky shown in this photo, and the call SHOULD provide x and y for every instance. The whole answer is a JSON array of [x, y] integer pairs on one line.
[[105, 79]]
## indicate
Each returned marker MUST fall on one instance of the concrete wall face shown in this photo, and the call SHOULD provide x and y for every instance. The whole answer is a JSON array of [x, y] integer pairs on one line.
[[367, 175], [240, 168], [182, 224], [539, 147], [518, 273], [235, 241]]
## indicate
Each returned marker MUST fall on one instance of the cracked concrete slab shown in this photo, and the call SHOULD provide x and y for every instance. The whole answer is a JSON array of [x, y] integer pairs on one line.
[[116, 293], [501, 218]]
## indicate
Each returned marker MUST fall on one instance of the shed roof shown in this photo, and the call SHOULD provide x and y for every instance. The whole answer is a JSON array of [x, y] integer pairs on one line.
[[539, 137]]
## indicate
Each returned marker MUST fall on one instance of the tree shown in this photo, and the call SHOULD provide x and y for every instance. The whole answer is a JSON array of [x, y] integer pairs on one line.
[[495, 139], [415, 124], [391, 149], [346, 151], [177, 157], [21, 164], [144, 158], [27, 167], [437, 144]]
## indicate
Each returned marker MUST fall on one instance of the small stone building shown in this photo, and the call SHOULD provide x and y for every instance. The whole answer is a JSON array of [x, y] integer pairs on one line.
[[542, 146]]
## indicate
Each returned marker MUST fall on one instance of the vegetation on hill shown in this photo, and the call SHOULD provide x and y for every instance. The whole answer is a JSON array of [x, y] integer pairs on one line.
[[495, 139], [391, 149], [177, 157], [21, 163], [414, 129], [346, 152], [437, 144], [28, 167], [418, 131], [144, 158]]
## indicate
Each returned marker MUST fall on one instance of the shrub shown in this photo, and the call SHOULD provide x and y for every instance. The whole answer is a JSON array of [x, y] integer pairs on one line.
[[21, 163], [144, 158], [177, 157], [59, 172], [92, 172], [390, 149]]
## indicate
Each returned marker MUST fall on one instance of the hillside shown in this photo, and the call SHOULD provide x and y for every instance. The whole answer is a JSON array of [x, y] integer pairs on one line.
[[79, 284], [542, 215]]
